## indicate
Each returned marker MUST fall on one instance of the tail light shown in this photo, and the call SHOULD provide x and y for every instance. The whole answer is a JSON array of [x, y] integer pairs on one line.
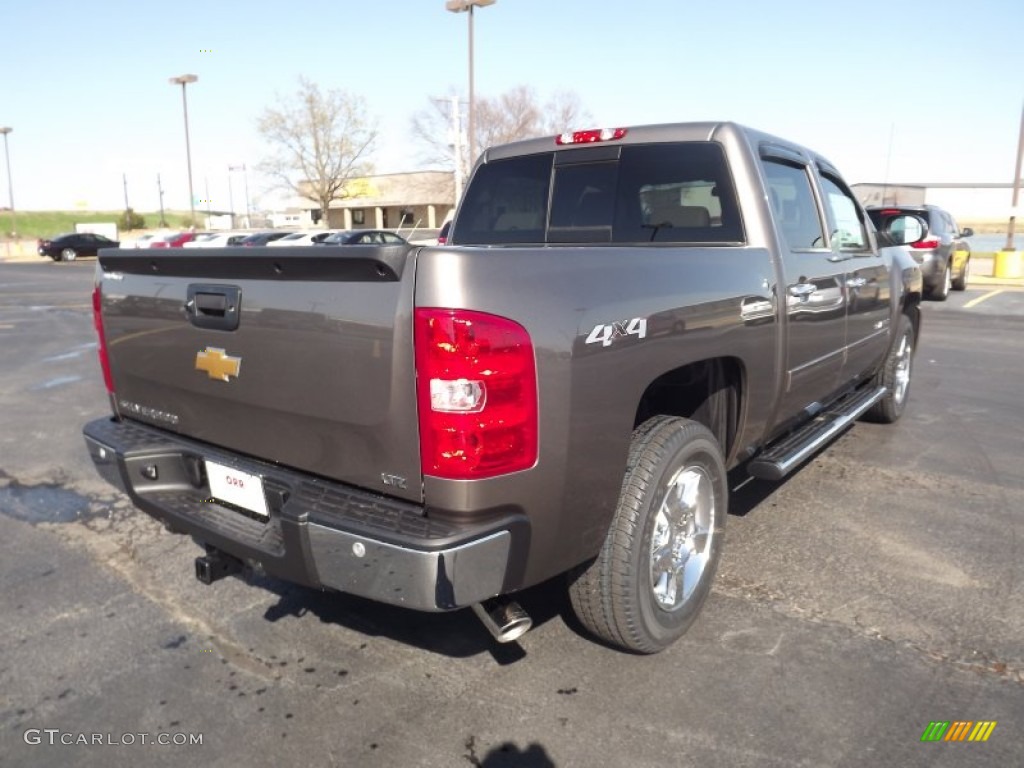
[[476, 387], [97, 320], [589, 137], [924, 245]]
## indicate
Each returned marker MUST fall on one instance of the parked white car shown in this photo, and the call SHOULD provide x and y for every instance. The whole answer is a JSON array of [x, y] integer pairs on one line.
[[308, 237], [217, 240]]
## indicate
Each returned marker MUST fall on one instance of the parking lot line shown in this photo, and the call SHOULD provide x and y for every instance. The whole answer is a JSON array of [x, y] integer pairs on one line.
[[989, 295]]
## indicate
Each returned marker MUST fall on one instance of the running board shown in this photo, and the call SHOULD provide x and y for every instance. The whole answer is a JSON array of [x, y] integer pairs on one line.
[[785, 456]]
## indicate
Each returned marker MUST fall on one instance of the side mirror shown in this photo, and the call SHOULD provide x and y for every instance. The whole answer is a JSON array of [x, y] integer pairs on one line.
[[968, 232], [905, 229]]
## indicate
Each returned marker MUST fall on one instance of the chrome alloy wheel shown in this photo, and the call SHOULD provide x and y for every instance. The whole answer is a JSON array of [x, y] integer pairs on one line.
[[682, 537], [901, 375]]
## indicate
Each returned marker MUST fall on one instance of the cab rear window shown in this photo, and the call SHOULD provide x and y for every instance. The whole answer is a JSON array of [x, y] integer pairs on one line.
[[662, 193]]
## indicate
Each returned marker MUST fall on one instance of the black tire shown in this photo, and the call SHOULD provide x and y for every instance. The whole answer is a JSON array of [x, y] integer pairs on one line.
[[960, 283], [627, 596], [895, 375], [68, 254], [941, 291]]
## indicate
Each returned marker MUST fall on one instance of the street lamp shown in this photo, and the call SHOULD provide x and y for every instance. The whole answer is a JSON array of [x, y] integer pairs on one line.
[[184, 80], [10, 184], [458, 6], [1016, 185], [245, 178]]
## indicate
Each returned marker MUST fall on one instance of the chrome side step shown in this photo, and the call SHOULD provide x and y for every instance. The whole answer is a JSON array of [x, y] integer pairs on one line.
[[785, 456]]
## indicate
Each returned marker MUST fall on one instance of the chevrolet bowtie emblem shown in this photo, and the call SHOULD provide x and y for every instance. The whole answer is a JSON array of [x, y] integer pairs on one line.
[[217, 364]]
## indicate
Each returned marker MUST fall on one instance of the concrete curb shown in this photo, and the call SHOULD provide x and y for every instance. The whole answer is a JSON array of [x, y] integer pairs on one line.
[[1011, 282]]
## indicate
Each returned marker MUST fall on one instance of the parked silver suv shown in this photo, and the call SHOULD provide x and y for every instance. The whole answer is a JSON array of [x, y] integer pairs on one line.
[[942, 251]]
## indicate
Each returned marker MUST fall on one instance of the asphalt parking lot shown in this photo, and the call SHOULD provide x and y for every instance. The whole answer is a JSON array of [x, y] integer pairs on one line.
[[877, 590]]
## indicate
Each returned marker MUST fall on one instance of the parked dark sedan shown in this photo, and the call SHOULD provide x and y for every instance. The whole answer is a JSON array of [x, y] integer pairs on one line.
[[363, 237], [71, 245], [262, 238]]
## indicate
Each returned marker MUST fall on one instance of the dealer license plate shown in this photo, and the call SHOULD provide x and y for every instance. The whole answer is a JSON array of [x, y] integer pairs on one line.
[[238, 488]]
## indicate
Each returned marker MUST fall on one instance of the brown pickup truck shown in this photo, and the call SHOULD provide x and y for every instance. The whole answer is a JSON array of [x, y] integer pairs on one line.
[[618, 319]]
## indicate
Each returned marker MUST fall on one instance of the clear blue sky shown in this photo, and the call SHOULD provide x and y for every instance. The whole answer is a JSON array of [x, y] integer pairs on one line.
[[85, 85]]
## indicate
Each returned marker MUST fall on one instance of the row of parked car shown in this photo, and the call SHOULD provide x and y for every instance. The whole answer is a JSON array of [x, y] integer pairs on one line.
[[70, 246], [272, 237], [942, 250]]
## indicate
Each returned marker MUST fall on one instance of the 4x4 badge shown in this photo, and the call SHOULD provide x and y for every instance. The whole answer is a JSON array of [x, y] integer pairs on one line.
[[218, 365]]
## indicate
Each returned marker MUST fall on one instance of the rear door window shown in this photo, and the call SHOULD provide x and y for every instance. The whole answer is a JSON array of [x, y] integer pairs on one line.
[[792, 200]]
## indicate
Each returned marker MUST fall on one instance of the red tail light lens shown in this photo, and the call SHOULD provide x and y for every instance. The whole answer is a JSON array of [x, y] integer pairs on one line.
[[97, 321], [588, 137], [924, 245], [476, 387]]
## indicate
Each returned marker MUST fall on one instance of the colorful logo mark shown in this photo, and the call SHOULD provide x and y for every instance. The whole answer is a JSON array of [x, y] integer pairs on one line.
[[958, 730]]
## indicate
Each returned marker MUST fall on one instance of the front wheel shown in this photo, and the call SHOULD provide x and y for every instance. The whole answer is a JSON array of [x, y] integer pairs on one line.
[[895, 375], [654, 571], [68, 254]]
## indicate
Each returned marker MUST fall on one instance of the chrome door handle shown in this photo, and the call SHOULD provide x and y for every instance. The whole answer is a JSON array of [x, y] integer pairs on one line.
[[856, 282], [802, 290]]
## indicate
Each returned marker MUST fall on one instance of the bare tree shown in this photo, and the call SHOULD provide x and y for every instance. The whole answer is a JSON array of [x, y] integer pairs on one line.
[[321, 141], [514, 115]]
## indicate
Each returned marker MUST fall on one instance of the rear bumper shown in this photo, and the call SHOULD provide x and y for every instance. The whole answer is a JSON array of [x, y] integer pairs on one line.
[[319, 533]]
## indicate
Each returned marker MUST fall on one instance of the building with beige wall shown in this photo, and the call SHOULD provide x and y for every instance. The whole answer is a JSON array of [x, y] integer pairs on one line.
[[397, 201]]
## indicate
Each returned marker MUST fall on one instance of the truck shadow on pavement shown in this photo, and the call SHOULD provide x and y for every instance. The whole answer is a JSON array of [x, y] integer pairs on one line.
[[458, 634]]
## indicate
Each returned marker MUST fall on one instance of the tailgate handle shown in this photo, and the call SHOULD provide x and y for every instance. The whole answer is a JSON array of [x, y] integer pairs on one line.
[[214, 306]]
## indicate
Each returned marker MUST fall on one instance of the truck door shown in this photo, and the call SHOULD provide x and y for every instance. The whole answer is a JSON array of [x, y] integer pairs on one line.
[[813, 285], [867, 282]]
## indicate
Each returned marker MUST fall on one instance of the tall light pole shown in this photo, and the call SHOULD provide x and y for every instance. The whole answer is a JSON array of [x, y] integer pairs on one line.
[[245, 178], [160, 190], [458, 6], [184, 80], [231, 199], [10, 184], [1016, 186]]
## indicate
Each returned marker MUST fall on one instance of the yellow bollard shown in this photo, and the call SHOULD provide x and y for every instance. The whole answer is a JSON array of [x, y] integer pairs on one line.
[[1008, 264]]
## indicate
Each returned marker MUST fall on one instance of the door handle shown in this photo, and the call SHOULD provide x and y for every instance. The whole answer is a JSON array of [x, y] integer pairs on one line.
[[856, 282], [214, 306], [802, 290]]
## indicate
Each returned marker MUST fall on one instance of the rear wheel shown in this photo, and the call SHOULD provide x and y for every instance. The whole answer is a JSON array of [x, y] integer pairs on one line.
[[960, 284], [68, 254], [941, 291], [650, 580], [895, 375]]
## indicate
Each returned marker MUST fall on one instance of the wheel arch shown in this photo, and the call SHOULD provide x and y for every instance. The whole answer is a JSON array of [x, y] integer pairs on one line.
[[709, 391]]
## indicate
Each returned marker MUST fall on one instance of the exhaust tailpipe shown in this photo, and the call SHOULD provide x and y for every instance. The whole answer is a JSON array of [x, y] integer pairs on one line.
[[505, 619], [216, 565]]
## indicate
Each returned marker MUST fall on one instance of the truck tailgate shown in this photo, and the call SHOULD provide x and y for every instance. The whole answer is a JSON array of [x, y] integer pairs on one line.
[[300, 356]]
